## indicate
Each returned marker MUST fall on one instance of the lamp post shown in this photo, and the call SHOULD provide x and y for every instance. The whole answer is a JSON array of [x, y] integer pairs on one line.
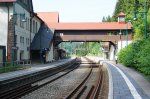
[[127, 32], [145, 16]]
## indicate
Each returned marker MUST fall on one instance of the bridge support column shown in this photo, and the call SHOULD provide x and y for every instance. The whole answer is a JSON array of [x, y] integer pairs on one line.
[[112, 52]]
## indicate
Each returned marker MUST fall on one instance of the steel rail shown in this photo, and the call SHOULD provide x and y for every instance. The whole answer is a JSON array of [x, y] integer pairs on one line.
[[95, 89], [80, 86], [20, 91], [98, 85]]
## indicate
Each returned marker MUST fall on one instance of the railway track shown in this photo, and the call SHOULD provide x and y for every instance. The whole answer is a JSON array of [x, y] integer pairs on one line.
[[89, 91], [25, 89], [83, 91]]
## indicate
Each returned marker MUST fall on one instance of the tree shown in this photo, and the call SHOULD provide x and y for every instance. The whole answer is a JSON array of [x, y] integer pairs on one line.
[[104, 19]]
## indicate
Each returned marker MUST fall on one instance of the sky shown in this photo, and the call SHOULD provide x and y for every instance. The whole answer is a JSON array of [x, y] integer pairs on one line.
[[77, 10]]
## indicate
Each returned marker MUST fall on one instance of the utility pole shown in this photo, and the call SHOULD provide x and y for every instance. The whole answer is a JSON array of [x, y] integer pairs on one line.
[[145, 19]]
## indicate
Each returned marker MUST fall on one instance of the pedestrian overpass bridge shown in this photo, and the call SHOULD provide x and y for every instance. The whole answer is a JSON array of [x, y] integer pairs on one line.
[[105, 31], [118, 34]]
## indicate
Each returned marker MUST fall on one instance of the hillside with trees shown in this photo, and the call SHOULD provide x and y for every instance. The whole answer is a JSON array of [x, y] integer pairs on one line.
[[137, 54]]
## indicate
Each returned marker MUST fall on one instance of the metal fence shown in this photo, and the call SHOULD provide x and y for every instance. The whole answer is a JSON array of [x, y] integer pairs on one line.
[[15, 63]]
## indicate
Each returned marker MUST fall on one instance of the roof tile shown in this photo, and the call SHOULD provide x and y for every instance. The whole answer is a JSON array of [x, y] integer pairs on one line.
[[52, 17], [90, 26]]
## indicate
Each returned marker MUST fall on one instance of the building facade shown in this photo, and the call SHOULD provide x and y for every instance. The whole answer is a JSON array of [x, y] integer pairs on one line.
[[18, 26]]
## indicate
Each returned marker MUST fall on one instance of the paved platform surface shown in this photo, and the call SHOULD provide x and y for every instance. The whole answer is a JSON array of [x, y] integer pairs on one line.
[[34, 68], [127, 83]]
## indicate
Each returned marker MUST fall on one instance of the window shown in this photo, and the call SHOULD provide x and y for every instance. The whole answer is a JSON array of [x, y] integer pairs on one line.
[[27, 24], [15, 39], [109, 33], [21, 22], [25, 2], [27, 41], [36, 28], [21, 39], [121, 19], [33, 27]]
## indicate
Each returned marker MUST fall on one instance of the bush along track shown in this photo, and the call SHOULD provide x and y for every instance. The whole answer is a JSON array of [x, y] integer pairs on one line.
[[137, 55]]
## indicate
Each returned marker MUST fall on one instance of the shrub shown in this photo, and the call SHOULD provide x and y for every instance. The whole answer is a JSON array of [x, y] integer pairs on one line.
[[137, 55], [126, 56]]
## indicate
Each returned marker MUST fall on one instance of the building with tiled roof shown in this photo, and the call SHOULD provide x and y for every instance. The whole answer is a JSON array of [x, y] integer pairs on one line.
[[49, 17], [52, 20], [19, 28], [15, 32]]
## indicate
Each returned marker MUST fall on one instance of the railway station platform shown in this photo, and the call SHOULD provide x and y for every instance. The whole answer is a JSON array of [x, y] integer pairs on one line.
[[126, 83], [34, 68]]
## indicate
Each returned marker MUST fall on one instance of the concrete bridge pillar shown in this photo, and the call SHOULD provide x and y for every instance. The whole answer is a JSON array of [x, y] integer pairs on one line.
[[112, 52]]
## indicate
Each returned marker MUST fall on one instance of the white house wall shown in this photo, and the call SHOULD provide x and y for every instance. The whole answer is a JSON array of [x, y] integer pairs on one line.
[[122, 44], [112, 52], [4, 24]]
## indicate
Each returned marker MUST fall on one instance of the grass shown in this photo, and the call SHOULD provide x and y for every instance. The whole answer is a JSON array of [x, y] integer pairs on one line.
[[10, 68]]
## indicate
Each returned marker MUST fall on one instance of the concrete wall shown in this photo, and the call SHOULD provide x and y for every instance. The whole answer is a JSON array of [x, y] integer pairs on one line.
[[4, 23], [112, 52], [50, 55]]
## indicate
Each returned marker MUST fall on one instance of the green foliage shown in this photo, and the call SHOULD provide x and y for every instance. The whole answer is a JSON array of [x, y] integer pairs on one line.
[[126, 56], [107, 19], [94, 48], [81, 49], [9, 68], [137, 55], [128, 7], [148, 22]]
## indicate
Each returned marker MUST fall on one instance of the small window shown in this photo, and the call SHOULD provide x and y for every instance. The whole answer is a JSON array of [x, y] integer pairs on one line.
[[27, 24], [22, 39], [115, 33], [27, 41], [36, 28], [16, 39], [21, 22], [25, 2], [33, 29]]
